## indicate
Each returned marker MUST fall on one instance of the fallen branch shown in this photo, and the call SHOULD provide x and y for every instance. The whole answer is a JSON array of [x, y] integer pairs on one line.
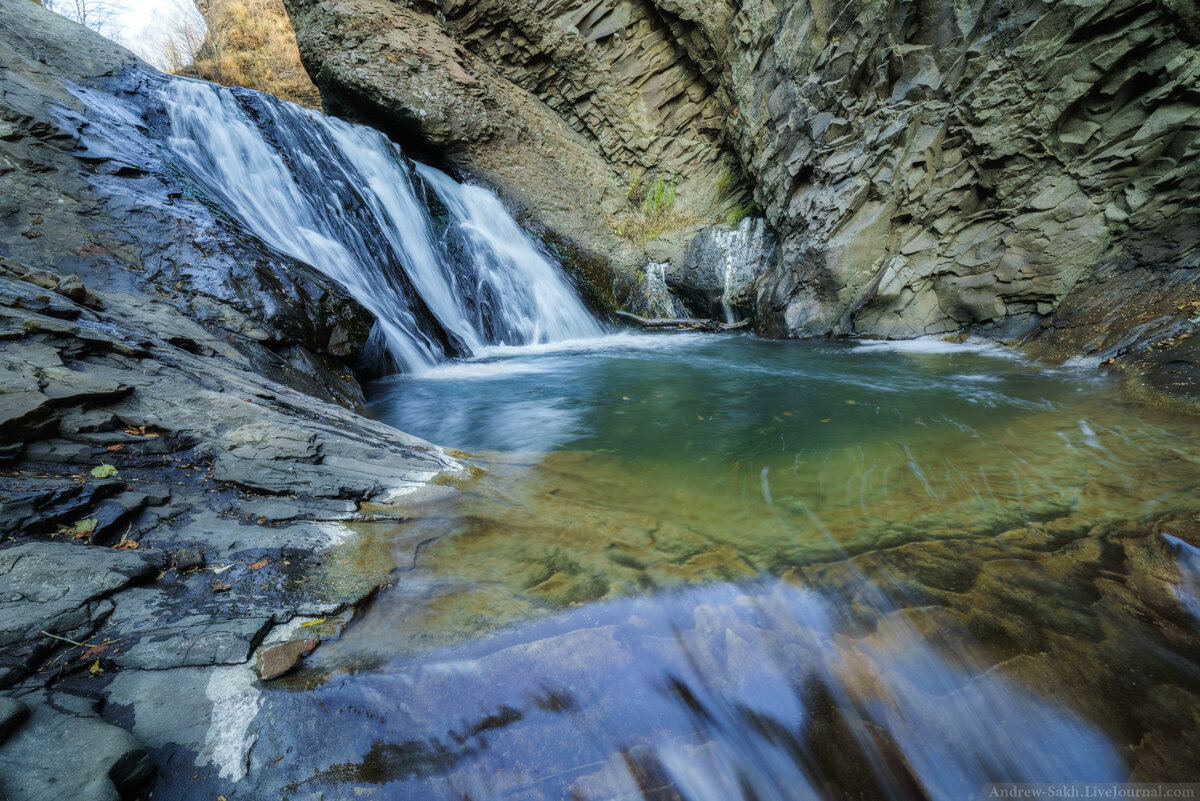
[[64, 639], [700, 324]]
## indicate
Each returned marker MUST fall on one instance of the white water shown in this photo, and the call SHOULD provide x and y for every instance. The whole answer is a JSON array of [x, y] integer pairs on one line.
[[344, 199]]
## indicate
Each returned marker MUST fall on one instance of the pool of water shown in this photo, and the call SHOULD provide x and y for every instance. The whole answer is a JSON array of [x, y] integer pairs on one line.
[[715, 568]]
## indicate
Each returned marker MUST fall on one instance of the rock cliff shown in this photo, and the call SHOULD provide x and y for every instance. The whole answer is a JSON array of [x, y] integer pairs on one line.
[[174, 394], [927, 167]]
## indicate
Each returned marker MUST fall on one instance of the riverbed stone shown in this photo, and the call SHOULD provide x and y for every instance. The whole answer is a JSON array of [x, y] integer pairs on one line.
[[13, 713], [65, 751], [282, 658], [60, 587]]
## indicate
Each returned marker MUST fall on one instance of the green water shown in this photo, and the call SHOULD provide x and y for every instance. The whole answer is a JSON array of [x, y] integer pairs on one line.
[[710, 568], [651, 461]]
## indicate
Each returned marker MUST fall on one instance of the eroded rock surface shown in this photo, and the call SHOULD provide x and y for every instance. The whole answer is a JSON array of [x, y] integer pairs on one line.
[[927, 167], [177, 411]]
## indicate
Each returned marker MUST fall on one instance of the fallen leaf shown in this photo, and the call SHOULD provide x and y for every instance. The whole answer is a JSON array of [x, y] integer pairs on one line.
[[127, 545], [103, 471], [222, 586], [84, 528], [316, 622], [95, 668], [114, 448], [827, 419], [259, 565], [93, 652], [920, 422], [851, 403]]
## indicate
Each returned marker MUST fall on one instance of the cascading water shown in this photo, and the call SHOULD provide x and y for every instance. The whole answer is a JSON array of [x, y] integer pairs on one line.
[[344, 199]]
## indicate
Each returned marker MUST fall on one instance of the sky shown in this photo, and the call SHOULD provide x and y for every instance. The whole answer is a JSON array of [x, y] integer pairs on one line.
[[144, 25]]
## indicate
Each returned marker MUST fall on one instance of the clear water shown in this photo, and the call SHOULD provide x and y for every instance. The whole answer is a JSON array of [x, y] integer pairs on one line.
[[718, 568]]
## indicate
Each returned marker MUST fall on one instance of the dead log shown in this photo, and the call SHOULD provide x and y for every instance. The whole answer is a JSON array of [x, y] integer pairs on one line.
[[694, 323]]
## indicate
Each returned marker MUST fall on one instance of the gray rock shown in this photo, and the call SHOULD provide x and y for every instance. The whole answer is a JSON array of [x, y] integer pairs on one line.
[[194, 641], [721, 267], [13, 713], [60, 587], [64, 751], [187, 559]]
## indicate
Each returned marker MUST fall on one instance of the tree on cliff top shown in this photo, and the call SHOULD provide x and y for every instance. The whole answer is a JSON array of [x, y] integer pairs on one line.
[[250, 43]]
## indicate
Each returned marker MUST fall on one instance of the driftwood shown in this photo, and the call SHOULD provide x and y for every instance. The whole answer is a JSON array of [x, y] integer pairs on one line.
[[699, 324]]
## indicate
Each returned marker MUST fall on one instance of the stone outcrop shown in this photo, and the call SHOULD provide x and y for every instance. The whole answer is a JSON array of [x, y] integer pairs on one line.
[[571, 110], [179, 443], [927, 167]]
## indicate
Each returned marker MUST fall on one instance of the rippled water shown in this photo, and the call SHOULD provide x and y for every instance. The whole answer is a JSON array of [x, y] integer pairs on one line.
[[717, 568]]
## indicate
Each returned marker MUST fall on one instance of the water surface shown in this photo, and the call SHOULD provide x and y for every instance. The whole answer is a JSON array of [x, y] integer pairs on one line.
[[716, 568]]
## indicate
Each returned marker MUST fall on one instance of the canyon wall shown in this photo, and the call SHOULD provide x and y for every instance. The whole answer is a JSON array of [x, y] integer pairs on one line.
[[927, 166]]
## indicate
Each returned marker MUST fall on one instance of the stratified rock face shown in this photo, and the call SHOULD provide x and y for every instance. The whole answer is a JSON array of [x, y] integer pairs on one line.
[[927, 166], [931, 166], [566, 107]]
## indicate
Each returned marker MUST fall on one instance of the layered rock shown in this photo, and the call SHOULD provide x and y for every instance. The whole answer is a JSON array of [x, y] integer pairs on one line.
[[571, 110], [928, 167], [174, 394]]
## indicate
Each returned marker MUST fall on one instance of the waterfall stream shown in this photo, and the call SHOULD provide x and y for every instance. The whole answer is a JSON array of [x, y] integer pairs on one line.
[[346, 200]]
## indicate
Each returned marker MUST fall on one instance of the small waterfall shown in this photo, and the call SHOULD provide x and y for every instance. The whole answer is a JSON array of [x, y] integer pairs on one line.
[[721, 267], [344, 199], [655, 297]]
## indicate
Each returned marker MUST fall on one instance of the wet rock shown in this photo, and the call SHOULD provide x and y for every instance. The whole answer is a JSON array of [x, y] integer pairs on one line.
[[65, 751], [61, 588], [277, 660], [652, 297], [71, 287], [721, 267], [13, 713], [187, 559], [194, 641]]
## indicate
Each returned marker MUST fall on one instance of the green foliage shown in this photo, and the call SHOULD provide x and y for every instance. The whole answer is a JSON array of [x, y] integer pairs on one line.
[[104, 471], [740, 212], [660, 199], [652, 210], [727, 182], [637, 190]]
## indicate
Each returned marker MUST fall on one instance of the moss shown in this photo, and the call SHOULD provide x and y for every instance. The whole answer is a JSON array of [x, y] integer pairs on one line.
[[591, 276]]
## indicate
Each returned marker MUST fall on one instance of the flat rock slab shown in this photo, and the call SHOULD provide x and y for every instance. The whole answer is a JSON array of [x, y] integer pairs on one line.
[[197, 642], [62, 752], [58, 586]]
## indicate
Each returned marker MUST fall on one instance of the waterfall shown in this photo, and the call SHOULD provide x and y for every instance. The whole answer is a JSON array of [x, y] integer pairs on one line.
[[345, 199]]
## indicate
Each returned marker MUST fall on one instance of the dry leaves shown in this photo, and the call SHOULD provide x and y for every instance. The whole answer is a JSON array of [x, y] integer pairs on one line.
[[259, 565], [141, 432], [222, 586], [93, 652]]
